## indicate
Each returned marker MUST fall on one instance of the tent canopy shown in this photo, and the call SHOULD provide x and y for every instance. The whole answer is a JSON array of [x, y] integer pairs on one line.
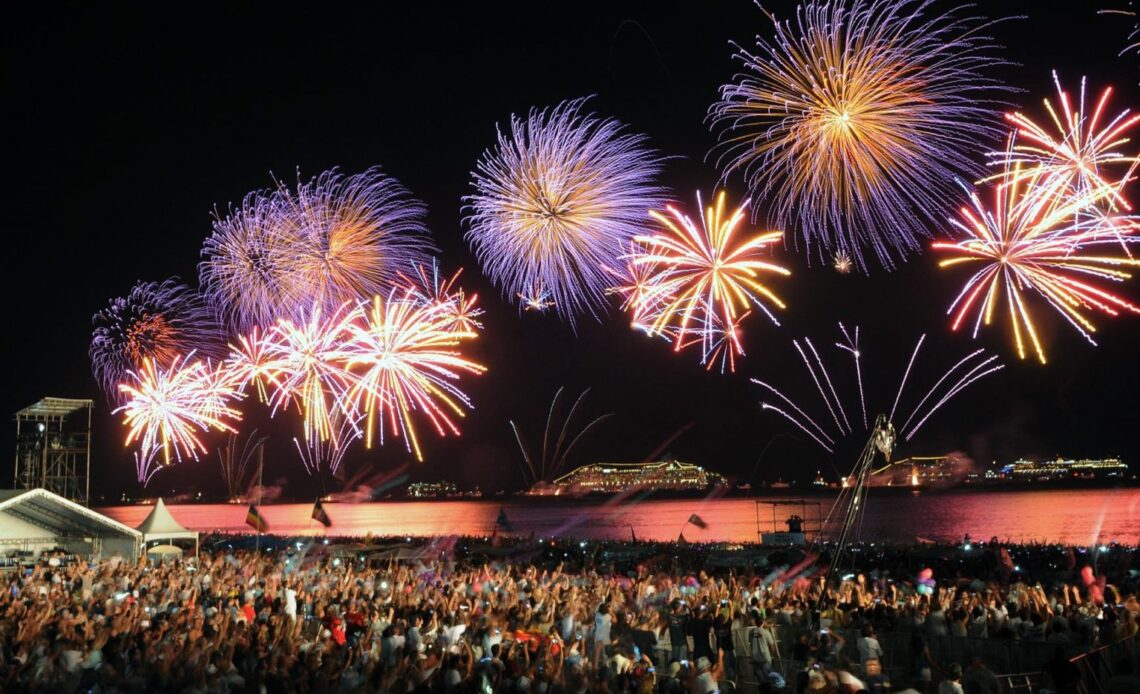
[[160, 525], [40, 518]]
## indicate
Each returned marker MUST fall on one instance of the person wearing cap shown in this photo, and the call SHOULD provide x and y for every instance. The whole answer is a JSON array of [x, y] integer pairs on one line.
[[953, 682], [705, 677]]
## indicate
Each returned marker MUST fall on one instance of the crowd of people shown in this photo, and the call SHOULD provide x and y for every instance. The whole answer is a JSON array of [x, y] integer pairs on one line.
[[308, 619]]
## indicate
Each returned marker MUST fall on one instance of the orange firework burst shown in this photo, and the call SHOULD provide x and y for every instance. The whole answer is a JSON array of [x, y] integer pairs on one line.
[[1036, 237], [855, 116], [403, 356], [702, 279]]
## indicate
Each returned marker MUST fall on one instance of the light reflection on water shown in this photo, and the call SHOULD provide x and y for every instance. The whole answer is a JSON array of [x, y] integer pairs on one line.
[[1069, 516]]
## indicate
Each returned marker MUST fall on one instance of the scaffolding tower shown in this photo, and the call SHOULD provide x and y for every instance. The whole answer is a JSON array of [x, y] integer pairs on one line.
[[53, 447]]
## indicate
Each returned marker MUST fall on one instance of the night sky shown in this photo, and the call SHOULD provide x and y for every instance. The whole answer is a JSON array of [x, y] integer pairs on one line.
[[129, 127]]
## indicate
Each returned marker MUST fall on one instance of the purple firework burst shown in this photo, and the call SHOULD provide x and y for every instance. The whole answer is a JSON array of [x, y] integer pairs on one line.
[[857, 118], [158, 320], [334, 239], [556, 203]]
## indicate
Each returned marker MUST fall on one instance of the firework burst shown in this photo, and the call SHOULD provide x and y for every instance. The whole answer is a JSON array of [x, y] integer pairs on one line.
[[840, 420], [1088, 152], [334, 239], [167, 408], [359, 235], [307, 369], [159, 321], [703, 277], [404, 359], [1035, 240], [556, 203], [856, 118], [249, 364], [434, 289], [249, 264]]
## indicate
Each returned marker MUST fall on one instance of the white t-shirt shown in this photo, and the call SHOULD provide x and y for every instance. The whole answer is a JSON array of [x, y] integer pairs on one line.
[[950, 687], [602, 627], [706, 684], [869, 648], [291, 602]]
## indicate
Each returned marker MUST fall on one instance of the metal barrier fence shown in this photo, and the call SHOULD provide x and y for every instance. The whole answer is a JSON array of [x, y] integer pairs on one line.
[[1098, 666], [1002, 656]]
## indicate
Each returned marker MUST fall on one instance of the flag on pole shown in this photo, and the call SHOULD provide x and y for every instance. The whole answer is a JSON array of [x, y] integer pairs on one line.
[[320, 515], [503, 522], [698, 521], [255, 520], [632, 535], [682, 541]]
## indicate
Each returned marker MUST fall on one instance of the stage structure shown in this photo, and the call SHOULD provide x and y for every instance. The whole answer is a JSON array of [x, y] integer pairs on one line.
[[53, 447]]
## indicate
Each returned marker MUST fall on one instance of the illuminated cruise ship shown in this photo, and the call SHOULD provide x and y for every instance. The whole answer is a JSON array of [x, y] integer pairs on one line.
[[611, 478]]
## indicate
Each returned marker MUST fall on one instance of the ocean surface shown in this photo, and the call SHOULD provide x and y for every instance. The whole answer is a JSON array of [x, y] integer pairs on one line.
[[1081, 517]]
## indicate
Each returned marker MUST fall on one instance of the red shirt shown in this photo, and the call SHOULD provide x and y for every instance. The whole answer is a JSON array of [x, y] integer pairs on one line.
[[336, 626]]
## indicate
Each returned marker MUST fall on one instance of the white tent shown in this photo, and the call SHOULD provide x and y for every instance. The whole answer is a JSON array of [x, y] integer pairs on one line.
[[36, 520], [160, 525]]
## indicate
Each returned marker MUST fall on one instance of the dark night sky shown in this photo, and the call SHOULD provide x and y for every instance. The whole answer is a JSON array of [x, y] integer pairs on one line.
[[130, 127]]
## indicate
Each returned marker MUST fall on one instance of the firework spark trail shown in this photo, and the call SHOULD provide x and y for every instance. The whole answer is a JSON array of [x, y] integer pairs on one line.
[[1133, 35], [146, 464], [938, 383], [856, 118], [805, 417], [818, 385], [768, 406], [949, 384], [404, 358], [830, 387], [155, 320], [701, 280], [977, 372], [555, 204], [345, 428], [852, 347], [234, 464], [550, 465], [906, 375], [168, 407]]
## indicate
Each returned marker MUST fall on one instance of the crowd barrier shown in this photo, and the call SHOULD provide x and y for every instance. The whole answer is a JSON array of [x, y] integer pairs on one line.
[[1029, 658]]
